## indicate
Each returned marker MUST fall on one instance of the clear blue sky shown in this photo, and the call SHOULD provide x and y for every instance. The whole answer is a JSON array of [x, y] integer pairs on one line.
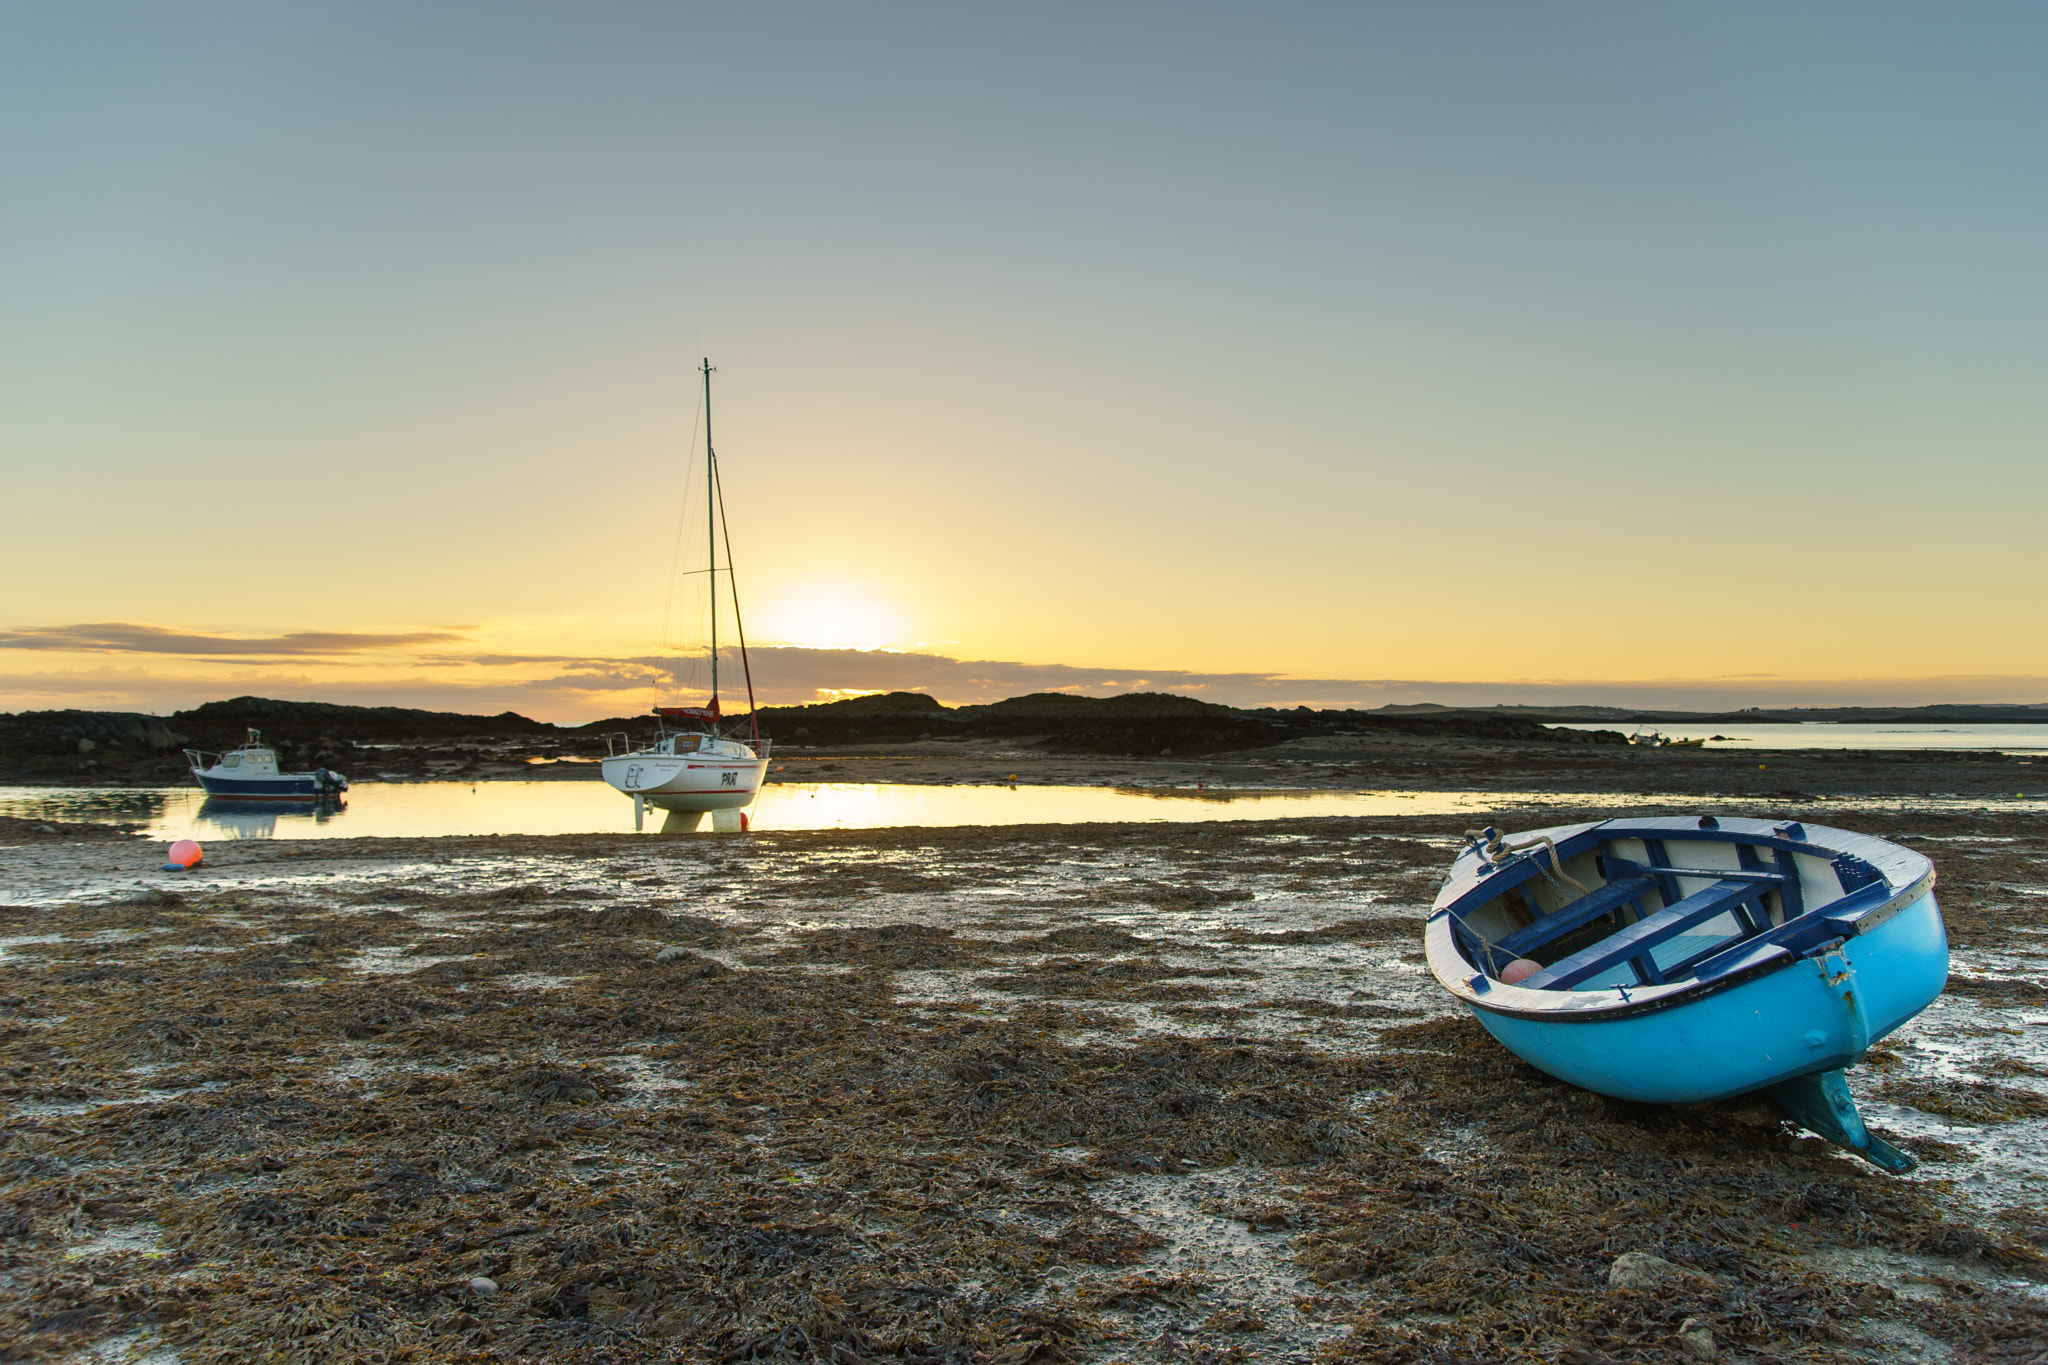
[[1451, 341]]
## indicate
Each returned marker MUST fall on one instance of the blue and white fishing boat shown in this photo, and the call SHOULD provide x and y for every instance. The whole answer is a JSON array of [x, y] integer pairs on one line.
[[250, 773], [1678, 960]]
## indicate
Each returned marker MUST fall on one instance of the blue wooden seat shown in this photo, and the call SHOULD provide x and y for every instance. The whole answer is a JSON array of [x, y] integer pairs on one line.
[[1748, 953], [1636, 941], [1576, 915], [1837, 919], [1751, 916]]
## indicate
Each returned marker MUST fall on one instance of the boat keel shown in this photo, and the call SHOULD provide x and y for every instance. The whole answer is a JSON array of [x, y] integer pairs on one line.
[[1822, 1103]]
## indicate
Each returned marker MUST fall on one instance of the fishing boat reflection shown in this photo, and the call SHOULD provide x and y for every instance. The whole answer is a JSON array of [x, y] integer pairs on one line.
[[259, 819]]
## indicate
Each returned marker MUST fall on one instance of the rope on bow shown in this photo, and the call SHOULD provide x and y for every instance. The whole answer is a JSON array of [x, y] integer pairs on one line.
[[1491, 847]]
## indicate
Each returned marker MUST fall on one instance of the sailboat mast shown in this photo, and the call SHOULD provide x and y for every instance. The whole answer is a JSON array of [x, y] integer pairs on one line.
[[711, 528]]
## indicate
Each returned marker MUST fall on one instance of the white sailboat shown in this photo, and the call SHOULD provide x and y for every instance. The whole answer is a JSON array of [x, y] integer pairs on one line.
[[692, 766]]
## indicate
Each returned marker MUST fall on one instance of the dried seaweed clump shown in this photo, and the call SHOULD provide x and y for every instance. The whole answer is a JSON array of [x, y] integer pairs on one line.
[[1192, 896], [1999, 992], [1325, 1009], [887, 947], [1075, 978], [1968, 1101], [1080, 938], [624, 917], [156, 1040], [569, 1084]]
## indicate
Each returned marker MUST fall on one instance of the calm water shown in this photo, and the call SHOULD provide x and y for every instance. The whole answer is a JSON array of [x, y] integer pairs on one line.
[[414, 809], [2010, 739], [423, 809]]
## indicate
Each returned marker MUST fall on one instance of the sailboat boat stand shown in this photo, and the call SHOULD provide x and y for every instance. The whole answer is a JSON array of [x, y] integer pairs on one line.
[[688, 772]]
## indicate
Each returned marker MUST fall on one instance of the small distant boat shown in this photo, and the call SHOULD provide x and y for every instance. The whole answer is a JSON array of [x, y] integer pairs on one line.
[[250, 773], [1652, 740], [1679, 960], [692, 766]]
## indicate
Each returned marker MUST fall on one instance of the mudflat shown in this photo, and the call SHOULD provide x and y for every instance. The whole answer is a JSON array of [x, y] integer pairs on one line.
[[1394, 761], [1020, 1094]]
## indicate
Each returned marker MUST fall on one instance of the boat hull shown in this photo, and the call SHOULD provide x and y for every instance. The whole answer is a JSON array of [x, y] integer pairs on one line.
[[284, 787], [1796, 1021], [687, 784]]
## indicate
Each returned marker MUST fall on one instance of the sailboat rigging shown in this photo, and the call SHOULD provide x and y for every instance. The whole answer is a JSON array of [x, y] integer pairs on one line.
[[692, 768]]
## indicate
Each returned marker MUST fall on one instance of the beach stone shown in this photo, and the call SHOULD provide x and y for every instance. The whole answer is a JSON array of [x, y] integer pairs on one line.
[[671, 953], [1639, 1270], [1695, 1342], [484, 1285]]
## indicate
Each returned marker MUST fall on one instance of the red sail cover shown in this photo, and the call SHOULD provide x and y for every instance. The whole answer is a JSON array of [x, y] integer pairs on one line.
[[689, 712]]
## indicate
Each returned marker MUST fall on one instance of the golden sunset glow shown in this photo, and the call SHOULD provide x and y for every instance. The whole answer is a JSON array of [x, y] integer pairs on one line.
[[829, 616], [1340, 359]]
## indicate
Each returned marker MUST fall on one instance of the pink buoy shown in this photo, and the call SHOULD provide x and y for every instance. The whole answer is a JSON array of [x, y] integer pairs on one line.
[[1521, 969], [186, 853]]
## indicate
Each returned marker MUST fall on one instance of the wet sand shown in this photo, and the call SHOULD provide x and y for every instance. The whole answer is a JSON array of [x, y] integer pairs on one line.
[[1006, 1095]]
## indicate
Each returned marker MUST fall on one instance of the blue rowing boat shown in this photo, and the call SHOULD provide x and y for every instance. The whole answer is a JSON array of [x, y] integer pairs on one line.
[[1679, 960]]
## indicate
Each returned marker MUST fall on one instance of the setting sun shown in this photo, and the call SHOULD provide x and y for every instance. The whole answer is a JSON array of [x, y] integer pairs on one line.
[[830, 616]]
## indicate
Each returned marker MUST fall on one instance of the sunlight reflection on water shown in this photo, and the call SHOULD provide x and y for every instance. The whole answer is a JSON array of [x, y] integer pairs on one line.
[[417, 809], [426, 809], [1828, 734]]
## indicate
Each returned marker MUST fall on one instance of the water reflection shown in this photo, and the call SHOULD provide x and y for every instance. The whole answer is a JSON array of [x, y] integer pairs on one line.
[[221, 817], [2014, 738], [98, 805], [428, 809], [423, 809]]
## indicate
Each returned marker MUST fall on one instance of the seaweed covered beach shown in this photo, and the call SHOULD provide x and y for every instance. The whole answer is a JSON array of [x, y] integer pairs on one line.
[[1025, 1095]]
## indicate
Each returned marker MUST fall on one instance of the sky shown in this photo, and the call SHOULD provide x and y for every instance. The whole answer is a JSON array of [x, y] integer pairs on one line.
[[1327, 354]]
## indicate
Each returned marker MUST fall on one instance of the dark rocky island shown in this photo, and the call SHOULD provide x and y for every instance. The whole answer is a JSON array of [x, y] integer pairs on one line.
[[1143, 739]]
